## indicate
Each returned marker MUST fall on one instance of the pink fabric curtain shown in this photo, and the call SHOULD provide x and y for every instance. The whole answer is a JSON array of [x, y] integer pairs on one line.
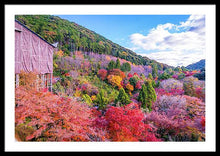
[[31, 52], [17, 49]]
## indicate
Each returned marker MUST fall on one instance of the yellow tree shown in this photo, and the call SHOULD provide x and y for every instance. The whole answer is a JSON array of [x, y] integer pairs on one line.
[[115, 80], [130, 88]]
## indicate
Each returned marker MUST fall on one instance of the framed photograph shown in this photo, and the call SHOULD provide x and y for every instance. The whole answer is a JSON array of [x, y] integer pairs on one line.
[[110, 78]]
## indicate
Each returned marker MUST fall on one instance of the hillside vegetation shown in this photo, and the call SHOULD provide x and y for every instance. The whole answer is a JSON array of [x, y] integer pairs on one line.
[[100, 95], [72, 37]]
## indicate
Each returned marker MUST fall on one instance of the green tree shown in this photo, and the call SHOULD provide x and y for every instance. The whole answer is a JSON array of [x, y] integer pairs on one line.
[[164, 76], [160, 66], [157, 84], [147, 95], [178, 69], [154, 70], [169, 71], [153, 83], [118, 64], [123, 98], [142, 96], [142, 76], [184, 68], [87, 99], [126, 67], [151, 95], [84, 43], [150, 76], [101, 99], [111, 65]]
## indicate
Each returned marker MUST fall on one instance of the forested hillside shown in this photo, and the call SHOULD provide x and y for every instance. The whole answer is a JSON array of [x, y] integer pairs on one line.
[[72, 36], [197, 66]]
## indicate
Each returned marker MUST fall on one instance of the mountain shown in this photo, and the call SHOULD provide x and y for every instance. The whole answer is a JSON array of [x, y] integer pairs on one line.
[[72, 36], [197, 66]]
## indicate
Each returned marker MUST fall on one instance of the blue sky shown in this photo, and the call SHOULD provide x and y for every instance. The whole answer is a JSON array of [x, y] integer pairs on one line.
[[171, 39]]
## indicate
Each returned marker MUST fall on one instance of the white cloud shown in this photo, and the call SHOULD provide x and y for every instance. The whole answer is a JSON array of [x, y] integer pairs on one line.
[[186, 40], [194, 21], [175, 58]]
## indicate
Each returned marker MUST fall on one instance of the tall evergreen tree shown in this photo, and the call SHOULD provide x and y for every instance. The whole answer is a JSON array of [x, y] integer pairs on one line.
[[151, 94], [101, 99], [111, 65], [150, 76], [147, 95], [154, 70], [123, 97], [142, 96], [125, 67], [118, 64]]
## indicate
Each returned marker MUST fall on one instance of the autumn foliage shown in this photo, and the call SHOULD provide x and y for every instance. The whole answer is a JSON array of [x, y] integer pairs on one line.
[[117, 72], [126, 124], [29, 80], [107, 104], [52, 118], [102, 73], [115, 80]]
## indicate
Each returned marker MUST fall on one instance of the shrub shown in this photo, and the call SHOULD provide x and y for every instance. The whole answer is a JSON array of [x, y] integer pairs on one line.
[[161, 91], [175, 76], [102, 73], [129, 75], [200, 93], [170, 84], [189, 88], [88, 88], [29, 80], [117, 72], [178, 118], [194, 87], [126, 124], [165, 102], [139, 84]]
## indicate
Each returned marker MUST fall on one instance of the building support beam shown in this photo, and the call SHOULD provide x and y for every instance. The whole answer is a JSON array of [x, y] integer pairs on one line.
[[17, 80]]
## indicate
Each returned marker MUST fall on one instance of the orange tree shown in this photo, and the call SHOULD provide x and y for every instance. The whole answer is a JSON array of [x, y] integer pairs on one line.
[[117, 72], [130, 88]]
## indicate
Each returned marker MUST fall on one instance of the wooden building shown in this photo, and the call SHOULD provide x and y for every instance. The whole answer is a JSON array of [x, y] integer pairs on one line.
[[33, 54]]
